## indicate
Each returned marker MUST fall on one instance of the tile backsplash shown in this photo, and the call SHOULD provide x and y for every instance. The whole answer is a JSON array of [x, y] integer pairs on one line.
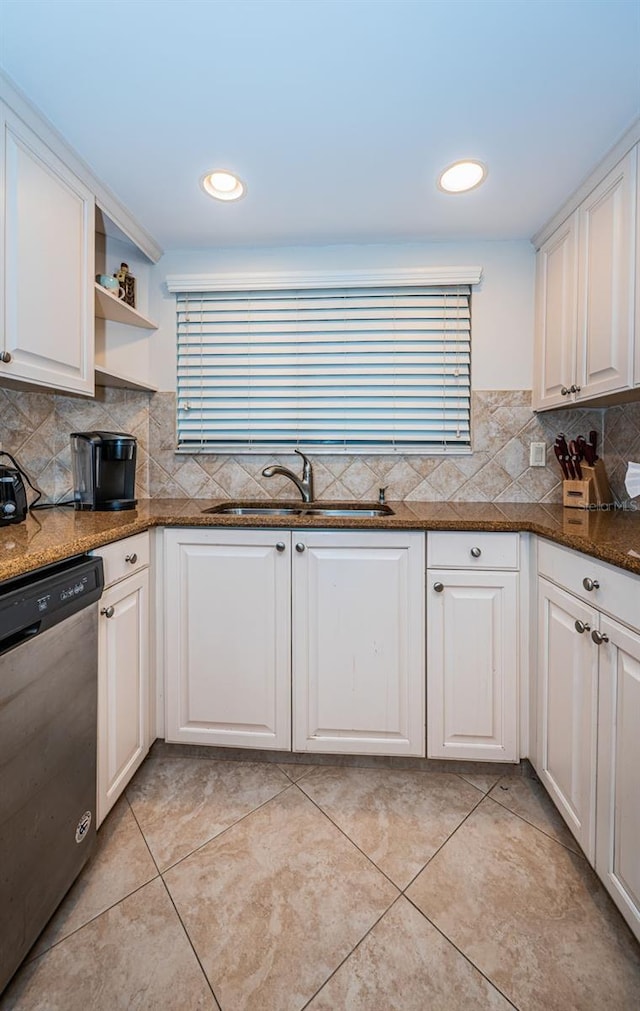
[[35, 428]]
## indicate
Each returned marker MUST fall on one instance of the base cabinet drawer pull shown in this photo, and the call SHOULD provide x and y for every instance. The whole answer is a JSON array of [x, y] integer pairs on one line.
[[108, 611], [599, 637], [590, 584], [582, 626], [475, 552], [438, 587], [131, 558]]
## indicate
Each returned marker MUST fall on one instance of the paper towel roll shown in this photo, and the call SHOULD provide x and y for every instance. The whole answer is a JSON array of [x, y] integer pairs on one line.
[[632, 480]]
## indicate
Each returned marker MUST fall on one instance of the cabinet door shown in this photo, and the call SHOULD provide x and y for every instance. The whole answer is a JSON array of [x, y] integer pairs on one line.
[[472, 665], [123, 686], [556, 317], [48, 271], [607, 283], [618, 829], [228, 637], [358, 642], [567, 709]]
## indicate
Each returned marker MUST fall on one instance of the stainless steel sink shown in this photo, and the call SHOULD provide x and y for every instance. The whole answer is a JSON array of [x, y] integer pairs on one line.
[[303, 509]]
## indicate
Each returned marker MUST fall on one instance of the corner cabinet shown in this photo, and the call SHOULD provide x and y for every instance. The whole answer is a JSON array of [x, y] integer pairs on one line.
[[124, 734], [348, 606], [48, 251], [473, 648], [585, 290]]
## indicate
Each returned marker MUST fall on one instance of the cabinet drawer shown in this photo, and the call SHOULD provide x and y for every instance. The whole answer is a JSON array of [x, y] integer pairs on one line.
[[472, 550], [118, 558], [617, 592]]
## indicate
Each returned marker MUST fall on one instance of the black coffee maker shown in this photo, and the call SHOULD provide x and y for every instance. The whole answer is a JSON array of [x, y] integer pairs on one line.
[[104, 470]]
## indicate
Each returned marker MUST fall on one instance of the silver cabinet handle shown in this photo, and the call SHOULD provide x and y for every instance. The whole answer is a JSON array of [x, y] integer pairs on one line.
[[299, 547], [574, 389], [590, 584], [582, 626], [438, 587], [280, 546], [475, 552], [108, 612], [5, 356], [599, 637], [565, 391], [131, 558]]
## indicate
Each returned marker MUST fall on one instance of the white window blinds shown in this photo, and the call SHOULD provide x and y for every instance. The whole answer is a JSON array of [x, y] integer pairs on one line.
[[377, 369]]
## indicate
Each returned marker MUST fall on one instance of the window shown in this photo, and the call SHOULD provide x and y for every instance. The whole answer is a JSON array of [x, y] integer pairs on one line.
[[335, 367]]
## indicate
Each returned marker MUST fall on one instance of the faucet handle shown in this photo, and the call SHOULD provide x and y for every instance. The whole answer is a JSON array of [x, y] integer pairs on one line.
[[381, 497]]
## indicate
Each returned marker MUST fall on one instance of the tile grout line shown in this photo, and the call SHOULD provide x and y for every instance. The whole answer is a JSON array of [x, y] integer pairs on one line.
[[223, 831], [191, 944], [353, 950], [577, 852], [460, 951]]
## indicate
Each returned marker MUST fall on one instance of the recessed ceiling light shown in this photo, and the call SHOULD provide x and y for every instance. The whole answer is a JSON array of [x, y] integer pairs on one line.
[[223, 185], [462, 176]]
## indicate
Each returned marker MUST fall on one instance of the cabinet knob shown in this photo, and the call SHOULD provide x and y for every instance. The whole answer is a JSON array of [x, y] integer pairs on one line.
[[475, 552], [5, 356], [280, 546], [565, 391], [582, 626], [108, 612], [438, 587], [574, 389], [590, 584], [131, 558], [299, 547], [599, 637]]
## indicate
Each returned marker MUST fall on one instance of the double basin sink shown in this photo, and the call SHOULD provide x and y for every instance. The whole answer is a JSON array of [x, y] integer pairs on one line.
[[310, 509]]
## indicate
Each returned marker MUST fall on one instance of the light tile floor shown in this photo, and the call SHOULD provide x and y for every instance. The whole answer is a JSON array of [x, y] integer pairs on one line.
[[258, 887]]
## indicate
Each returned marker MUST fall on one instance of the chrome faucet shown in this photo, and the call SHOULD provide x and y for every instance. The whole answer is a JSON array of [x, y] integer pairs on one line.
[[303, 484]]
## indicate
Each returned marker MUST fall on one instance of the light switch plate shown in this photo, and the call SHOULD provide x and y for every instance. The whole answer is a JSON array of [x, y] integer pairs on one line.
[[537, 454]]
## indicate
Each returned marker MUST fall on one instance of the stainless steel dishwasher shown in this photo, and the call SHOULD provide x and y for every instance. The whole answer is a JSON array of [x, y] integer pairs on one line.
[[48, 719]]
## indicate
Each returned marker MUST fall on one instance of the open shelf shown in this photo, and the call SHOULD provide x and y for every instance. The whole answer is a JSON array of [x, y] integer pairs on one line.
[[111, 307], [106, 377]]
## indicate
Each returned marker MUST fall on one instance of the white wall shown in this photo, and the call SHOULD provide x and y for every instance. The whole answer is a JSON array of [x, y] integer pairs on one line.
[[502, 305]]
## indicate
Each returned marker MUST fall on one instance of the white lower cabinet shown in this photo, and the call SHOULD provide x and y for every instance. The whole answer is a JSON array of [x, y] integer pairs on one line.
[[588, 714], [228, 637], [473, 651], [347, 605], [618, 781], [123, 676], [358, 642], [567, 708]]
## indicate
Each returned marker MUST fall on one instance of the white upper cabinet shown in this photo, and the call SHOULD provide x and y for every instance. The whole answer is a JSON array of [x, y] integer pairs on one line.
[[556, 315], [606, 287], [48, 248], [585, 292]]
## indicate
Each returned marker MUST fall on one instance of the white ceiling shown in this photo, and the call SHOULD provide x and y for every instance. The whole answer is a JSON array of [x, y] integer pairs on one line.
[[338, 114]]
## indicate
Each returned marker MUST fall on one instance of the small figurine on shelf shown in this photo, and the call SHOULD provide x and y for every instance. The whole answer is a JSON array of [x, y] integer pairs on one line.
[[127, 284]]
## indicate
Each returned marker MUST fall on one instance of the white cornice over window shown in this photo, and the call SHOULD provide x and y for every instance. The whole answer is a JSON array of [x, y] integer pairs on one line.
[[270, 280]]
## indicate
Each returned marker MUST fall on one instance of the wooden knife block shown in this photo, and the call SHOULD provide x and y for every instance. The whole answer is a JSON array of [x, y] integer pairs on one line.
[[592, 490]]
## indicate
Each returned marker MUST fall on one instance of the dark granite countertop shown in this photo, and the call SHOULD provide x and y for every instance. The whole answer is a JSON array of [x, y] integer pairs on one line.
[[51, 535]]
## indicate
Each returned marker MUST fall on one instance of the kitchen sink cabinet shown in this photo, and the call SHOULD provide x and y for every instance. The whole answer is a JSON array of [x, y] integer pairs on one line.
[[473, 646], [47, 296], [227, 635], [123, 668], [585, 290], [358, 642], [346, 605], [588, 713]]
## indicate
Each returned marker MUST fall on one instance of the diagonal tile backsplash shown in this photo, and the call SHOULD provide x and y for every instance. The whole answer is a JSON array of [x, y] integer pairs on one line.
[[35, 428]]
